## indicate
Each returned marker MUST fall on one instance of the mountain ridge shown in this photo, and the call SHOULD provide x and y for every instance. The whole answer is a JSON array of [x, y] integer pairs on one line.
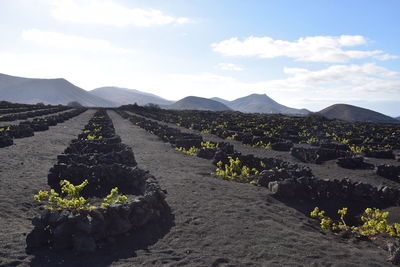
[[352, 113], [125, 96], [221, 100], [260, 103], [49, 91], [198, 103]]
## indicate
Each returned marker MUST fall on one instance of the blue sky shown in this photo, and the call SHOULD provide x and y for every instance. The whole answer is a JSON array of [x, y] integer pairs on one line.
[[307, 54]]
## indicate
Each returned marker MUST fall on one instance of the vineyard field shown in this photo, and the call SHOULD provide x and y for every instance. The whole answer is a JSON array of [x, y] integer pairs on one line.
[[185, 204]]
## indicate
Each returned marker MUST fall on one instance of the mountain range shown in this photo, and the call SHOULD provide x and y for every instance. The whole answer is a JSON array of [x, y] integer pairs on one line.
[[260, 103], [61, 91], [125, 96], [48, 91]]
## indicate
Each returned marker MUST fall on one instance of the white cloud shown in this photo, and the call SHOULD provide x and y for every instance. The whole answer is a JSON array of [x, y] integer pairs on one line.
[[367, 75], [229, 66], [107, 12], [313, 49], [387, 57], [61, 40]]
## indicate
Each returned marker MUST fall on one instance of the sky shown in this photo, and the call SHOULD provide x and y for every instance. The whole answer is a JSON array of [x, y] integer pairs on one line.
[[303, 54]]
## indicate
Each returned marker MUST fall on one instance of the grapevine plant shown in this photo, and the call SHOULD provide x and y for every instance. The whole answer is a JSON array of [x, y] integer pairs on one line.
[[235, 170], [208, 144], [113, 197], [94, 137], [191, 151], [374, 223], [72, 201], [263, 145]]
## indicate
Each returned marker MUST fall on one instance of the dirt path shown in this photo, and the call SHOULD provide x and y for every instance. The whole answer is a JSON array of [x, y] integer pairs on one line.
[[222, 223], [23, 172]]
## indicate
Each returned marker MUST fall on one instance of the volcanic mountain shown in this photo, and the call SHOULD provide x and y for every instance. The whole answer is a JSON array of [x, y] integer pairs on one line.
[[125, 96], [198, 103], [48, 91], [353, 113], [260, 103], [221, 100]]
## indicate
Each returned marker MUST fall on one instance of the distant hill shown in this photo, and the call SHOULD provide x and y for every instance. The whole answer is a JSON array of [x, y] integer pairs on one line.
[[198, 103], [48, 91], [260, 103], [221, 100], [125, 96], [353, 113]]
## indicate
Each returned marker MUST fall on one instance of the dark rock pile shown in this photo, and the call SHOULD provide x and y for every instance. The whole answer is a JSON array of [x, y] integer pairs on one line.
[[167, 134], [356, 162], [8, 107], [345, 189], [98, 156], [27, 128], [29, 114], [380, 154], [5, 140], [20, 131], [83, 231], [317, 155], [282, 145], [388, 171]]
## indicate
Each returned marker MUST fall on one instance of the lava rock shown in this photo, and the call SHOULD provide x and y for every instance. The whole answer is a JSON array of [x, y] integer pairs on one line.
[[285, 188], [354, 163], [381, 154], [282, 146], [5, 141], [206, 153], [388, 171]]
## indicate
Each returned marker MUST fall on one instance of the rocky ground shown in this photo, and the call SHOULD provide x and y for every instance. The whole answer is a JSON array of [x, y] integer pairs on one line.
[[216, 222]]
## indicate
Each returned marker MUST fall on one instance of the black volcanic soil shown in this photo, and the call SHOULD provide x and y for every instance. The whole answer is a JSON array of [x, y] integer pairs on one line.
[[217, 222]]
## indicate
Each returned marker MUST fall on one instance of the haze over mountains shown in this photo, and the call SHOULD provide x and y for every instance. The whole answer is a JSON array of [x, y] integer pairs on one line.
[[61, 91]]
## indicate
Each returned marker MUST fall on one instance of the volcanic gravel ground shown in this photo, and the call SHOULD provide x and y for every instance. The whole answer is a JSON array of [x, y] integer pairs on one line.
[[223, 223], [23, 172]]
